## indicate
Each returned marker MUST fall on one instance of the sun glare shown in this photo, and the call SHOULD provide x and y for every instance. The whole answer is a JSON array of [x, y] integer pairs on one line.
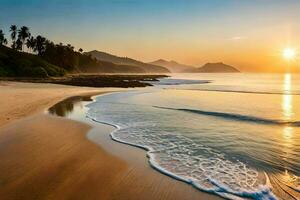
[[289, 53]]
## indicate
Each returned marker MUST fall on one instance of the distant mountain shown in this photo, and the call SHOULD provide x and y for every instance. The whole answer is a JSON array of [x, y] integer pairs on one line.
[[107, 67], [218, 67], [145, 67], [173, 66]]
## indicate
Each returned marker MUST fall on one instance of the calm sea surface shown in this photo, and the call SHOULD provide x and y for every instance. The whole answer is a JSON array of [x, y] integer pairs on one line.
[[235, 135]]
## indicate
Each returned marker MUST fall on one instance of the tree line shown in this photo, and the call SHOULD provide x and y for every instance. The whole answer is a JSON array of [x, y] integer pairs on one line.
[[61, 55], [22, 36]]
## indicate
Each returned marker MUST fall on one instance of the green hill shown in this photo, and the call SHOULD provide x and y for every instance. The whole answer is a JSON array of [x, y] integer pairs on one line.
[[19, 64]]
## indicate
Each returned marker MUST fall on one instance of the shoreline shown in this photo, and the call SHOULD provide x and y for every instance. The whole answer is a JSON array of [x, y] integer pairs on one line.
[[95, 80], [113, 144], [19, 99], [48, 157]]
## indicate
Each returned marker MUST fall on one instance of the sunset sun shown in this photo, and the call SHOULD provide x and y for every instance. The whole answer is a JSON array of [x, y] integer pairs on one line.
[[289, 53]]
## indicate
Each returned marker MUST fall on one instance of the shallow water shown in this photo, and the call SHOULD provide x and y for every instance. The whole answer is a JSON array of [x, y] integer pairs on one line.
[[235, 135]]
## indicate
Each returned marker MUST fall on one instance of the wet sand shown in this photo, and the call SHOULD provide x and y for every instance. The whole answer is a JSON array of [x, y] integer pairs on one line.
[[18, 100], [48, 157]]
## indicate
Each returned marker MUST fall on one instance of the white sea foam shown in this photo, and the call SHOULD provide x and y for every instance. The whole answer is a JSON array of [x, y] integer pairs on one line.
[[178, 156]]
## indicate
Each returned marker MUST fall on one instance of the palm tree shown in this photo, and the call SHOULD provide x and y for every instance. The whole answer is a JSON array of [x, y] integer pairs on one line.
[[13, 30], [30, 43], [80, 50], [23, 34], [40, 44], [3, 40], [18, 44]]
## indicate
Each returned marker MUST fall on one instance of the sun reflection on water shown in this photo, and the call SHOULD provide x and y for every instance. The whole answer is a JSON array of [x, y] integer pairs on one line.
[[288, 135], [287, 98], [287, 113]]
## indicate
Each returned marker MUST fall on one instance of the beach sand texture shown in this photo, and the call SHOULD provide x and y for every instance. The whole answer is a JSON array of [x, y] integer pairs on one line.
[[47, 157]]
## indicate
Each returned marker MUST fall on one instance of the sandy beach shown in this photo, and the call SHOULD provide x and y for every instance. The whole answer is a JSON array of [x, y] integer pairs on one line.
[[48, 157]]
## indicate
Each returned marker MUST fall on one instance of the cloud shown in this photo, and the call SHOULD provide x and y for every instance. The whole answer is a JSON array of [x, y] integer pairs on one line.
[[235, 38]]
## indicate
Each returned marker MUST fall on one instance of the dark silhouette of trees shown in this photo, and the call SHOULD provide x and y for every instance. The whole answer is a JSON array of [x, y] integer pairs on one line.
[[61, 55], [70, 47], [13, 34], [18, 44], [30, 43], [3, 40], [40, 45], [23, 34]]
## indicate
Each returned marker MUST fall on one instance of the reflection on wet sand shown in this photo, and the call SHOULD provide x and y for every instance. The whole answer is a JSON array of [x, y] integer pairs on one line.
[[68, 106]]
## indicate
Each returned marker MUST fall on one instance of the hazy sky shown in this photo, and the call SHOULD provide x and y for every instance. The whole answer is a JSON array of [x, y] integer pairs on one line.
[[248, 34]]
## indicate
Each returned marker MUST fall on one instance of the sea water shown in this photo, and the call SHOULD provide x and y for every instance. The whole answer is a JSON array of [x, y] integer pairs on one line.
[[234, 135]]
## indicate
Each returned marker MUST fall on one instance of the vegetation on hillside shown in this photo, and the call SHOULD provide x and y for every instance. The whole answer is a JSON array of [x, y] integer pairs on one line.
[[45, 58], [19, 64]]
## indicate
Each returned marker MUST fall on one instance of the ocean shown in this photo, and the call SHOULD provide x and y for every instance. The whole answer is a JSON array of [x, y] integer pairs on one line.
[[234, 135]]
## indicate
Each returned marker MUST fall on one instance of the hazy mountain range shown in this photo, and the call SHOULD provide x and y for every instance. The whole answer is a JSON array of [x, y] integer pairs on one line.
[[173, 66], [129, 62], [159, 66], [176, 67]]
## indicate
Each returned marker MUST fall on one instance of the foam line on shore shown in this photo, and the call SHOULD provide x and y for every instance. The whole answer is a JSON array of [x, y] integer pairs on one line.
[[263, 192]]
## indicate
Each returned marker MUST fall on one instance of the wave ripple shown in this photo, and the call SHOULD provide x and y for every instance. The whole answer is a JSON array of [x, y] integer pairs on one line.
[[179, 156], [236, 117]]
